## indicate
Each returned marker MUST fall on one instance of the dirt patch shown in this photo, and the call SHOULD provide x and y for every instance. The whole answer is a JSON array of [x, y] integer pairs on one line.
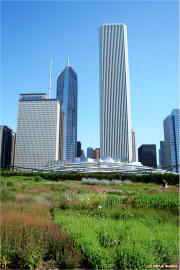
[[176, 189], [42, 190], [47, 265], [172, 266], [20, 196], [107, 190]]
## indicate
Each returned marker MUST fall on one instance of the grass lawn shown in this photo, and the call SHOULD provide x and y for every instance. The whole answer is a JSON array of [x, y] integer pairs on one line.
[[70, 225]]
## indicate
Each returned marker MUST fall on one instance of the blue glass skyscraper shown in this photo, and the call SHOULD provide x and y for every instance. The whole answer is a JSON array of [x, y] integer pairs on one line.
[[67, 93], [89, 152], [172, 139]]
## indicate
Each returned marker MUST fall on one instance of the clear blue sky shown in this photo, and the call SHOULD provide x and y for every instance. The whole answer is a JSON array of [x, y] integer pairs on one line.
[[33, 31]]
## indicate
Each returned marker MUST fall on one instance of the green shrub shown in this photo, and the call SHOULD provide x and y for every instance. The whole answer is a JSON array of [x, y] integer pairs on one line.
[[83, 232], [116, 213], [58, 187], [129, 243], [10, 183], [2, 183], [38, 178], [14, 189], [134, 256], [5, 195], [60, 203], [172, 179], [29, 179]]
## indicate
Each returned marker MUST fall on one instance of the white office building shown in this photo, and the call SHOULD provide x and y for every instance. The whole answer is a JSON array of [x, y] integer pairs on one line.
[[115, 111], [38, 131]]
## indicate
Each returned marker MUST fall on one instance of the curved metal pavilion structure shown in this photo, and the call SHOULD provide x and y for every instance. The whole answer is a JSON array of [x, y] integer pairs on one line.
[[105, 164]]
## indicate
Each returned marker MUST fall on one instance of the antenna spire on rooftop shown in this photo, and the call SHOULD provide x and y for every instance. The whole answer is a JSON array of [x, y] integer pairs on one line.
[[68, 62]]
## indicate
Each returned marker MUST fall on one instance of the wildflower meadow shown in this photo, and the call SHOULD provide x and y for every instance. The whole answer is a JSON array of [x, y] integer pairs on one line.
[[87, 224]]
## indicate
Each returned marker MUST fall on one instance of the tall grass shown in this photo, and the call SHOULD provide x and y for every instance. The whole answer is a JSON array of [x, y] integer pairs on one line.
[[121, 244], [163, 200], [5, 195], [159, 200], [28, 236]]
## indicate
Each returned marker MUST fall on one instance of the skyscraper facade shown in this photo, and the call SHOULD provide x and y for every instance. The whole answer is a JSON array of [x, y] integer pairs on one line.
[[172, 140], [78, 148], [162, 155], [7, 143], [67, 94], [96, 153], [134, 151], [89, 152], [115, 112], [166, 125], [38, 131], [147, 155]]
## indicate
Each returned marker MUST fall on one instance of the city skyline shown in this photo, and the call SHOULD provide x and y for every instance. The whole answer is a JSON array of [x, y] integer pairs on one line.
[[152, 50]]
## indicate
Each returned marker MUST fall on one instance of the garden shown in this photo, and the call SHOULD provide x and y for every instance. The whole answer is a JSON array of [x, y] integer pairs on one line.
[[87, 223]]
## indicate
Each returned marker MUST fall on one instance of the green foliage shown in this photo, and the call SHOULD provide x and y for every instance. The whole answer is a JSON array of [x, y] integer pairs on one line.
[[112, 200], [58, 187], [5, 195], [10, 183], [26, 243], [28, 179], [85, 239], [38, 178], [91, 202], [131, 231], [2, 183], [134, 256], [121, 244], [14, 189], [157, 200], [61, 203], [172, 179], [147, 216]]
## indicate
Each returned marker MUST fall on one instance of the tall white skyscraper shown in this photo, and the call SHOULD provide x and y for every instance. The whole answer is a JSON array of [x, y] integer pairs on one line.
[[115, 111], [38, 131]]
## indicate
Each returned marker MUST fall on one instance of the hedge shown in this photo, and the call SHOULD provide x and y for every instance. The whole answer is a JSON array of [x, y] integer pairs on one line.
[[172, 179]]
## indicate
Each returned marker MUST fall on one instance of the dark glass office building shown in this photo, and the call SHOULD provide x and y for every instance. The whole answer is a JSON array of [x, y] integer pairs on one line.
[[7, 142], [162, 155], [67, 93], [147, 155], [78, 149]]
